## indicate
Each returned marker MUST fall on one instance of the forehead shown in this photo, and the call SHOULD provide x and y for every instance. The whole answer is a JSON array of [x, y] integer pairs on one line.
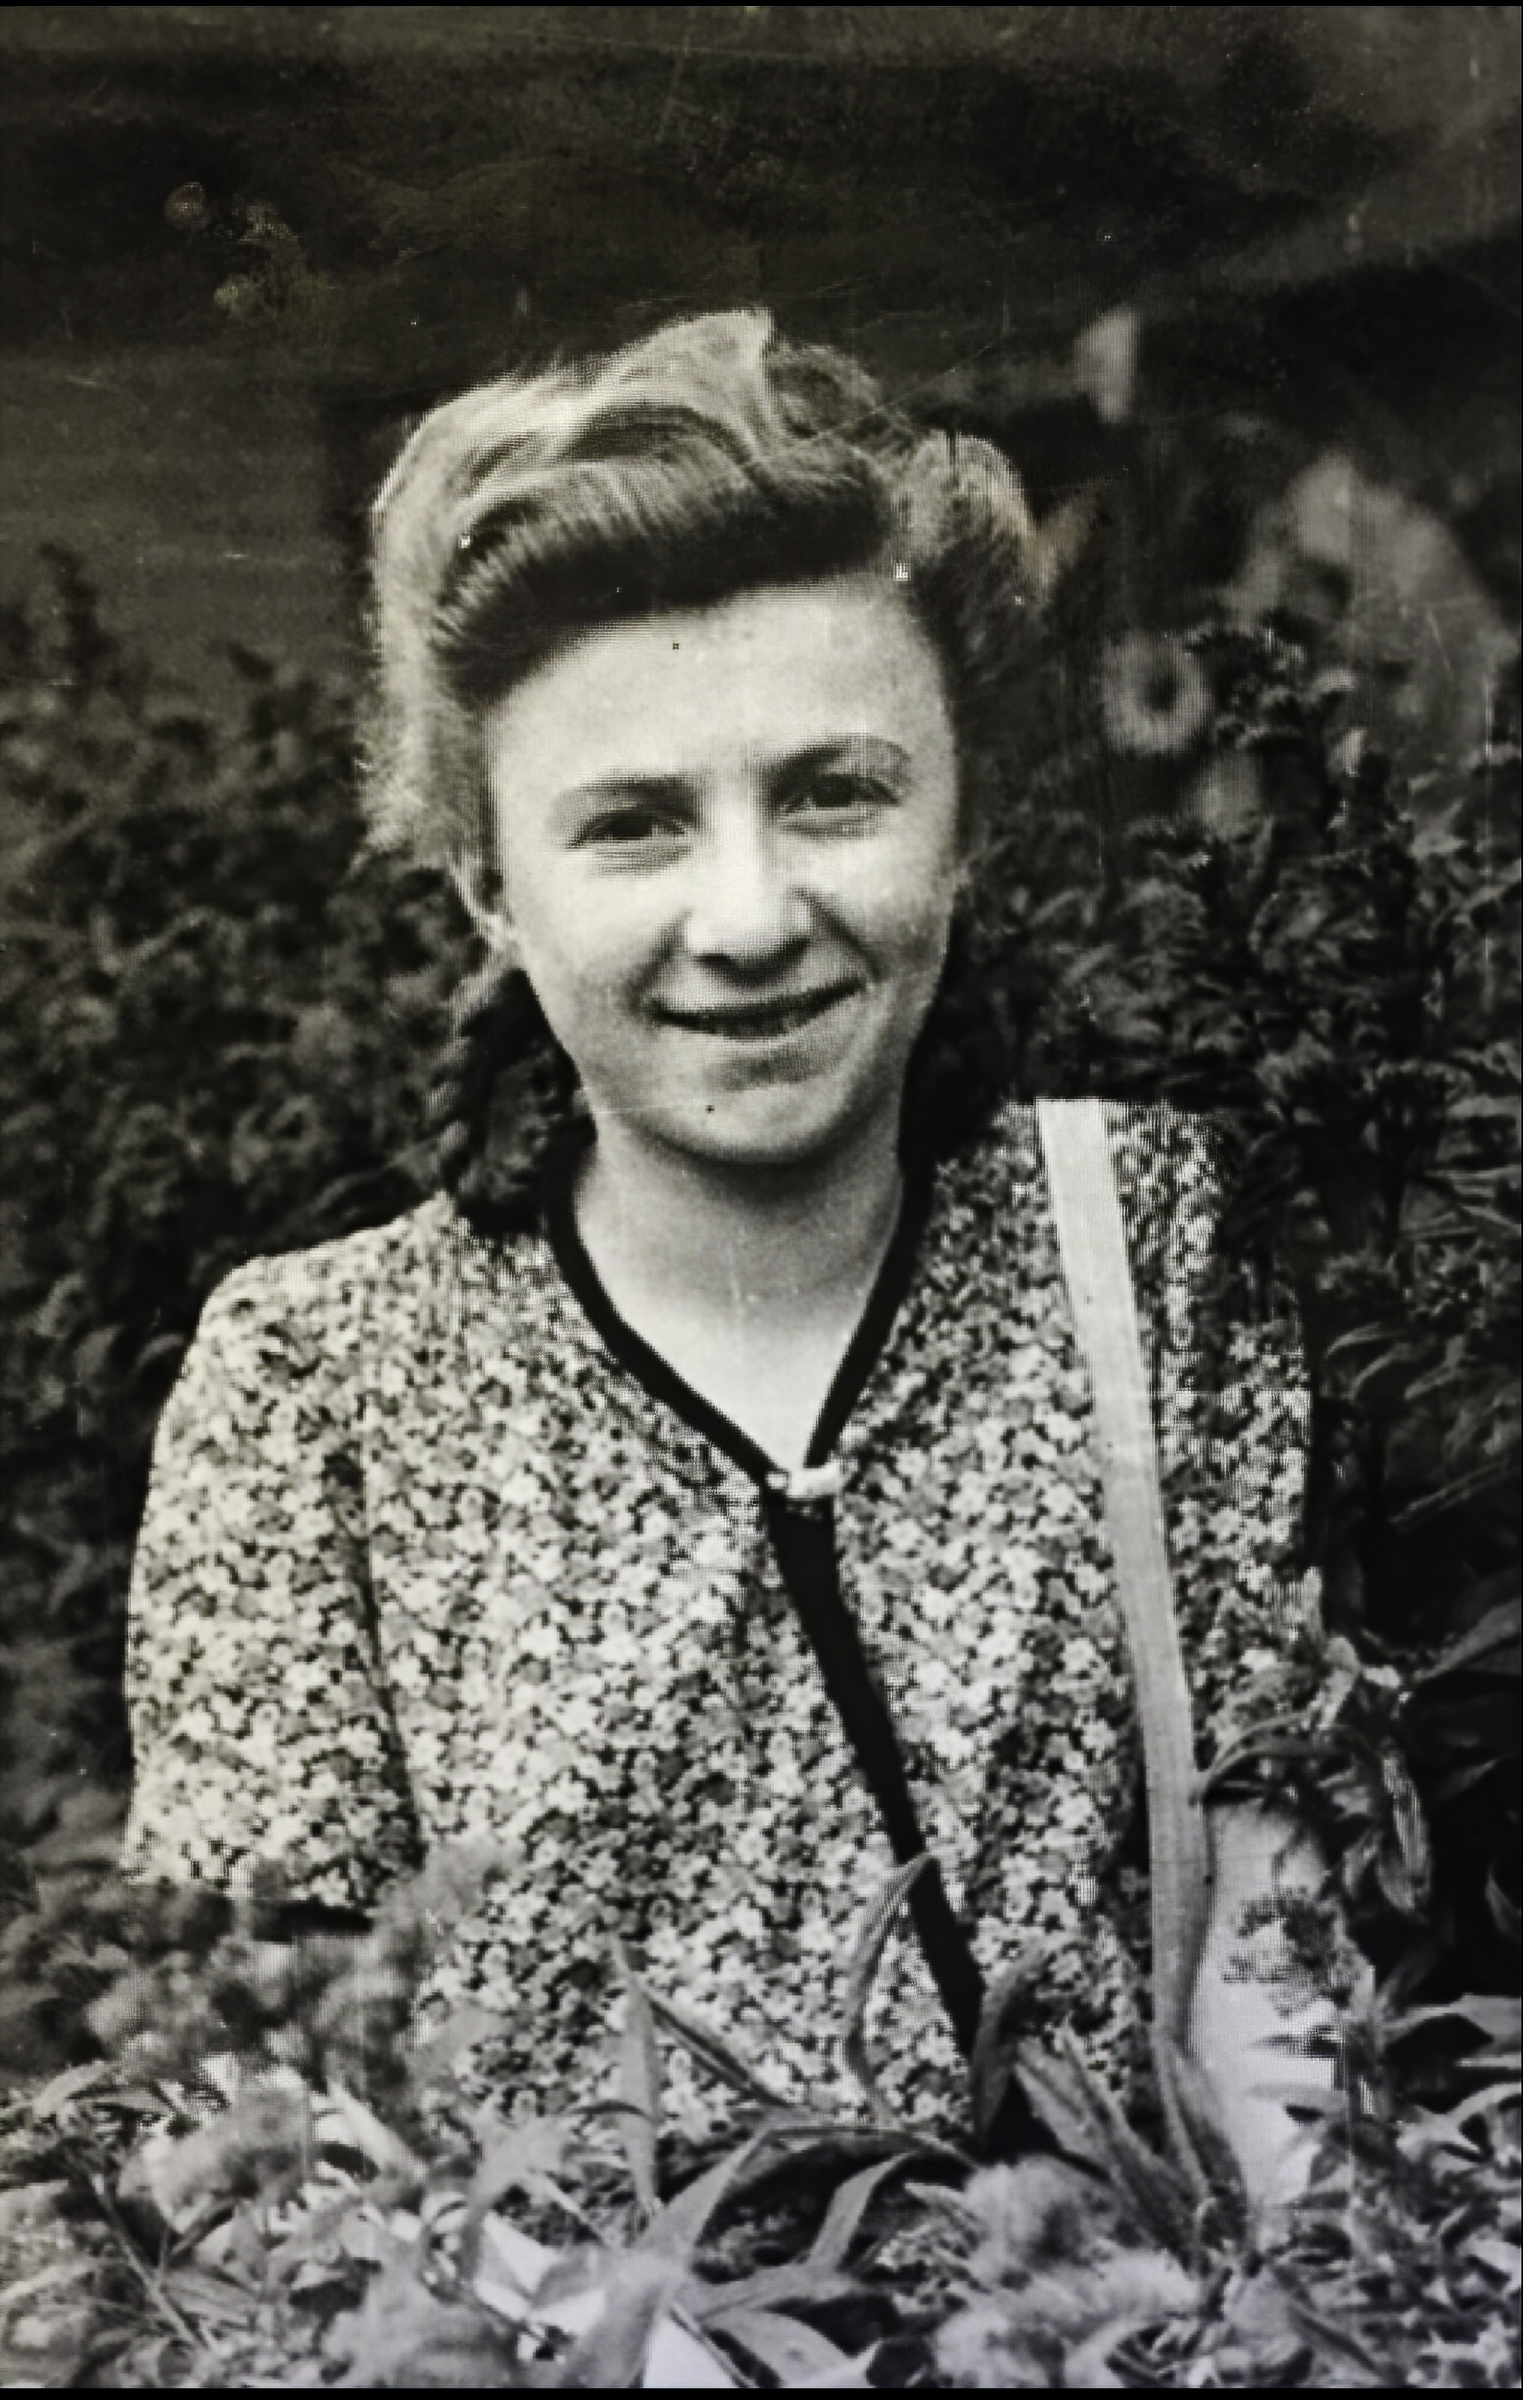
[[771, 670]]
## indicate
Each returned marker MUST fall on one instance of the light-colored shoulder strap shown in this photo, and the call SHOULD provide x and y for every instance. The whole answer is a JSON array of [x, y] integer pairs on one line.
[[1092, 1244]]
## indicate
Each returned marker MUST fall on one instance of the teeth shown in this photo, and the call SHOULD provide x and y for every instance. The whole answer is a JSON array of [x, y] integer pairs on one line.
[[782, 1017]]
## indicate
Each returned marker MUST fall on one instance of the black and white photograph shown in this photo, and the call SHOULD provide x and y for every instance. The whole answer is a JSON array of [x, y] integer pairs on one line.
[[759, 1215]]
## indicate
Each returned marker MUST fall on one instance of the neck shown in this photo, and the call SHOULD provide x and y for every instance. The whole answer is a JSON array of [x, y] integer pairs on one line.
[[760, 1247]]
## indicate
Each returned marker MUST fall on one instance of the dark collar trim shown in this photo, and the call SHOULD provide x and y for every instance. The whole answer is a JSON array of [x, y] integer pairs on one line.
[[663, 1382]]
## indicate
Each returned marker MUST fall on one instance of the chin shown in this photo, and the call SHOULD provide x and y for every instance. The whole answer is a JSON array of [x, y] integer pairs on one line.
[[791, 1130]]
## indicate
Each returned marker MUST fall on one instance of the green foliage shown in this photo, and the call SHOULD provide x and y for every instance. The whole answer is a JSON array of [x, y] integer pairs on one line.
[[217, 1014], [281, 2189], [218, 1017], [1335, 978]]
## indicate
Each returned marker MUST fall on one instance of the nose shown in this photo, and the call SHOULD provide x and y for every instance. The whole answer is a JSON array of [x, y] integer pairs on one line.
[[748, 909]]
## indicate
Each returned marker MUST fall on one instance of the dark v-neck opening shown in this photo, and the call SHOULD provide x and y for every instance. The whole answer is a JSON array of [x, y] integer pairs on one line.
[[640, 1359], [803, 1539]]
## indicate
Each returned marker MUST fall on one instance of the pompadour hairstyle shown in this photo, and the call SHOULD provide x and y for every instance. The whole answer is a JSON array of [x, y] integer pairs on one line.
[[708, 460]]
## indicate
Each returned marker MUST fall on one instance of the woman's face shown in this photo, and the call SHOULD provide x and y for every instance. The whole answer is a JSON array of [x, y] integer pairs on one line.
[[729, 851]]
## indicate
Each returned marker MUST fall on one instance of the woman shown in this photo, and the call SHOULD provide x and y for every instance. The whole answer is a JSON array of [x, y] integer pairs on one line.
[[696, 1499]]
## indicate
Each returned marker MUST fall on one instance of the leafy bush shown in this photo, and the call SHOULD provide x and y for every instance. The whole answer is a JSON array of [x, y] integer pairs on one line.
[[1338, 985], [219, 1012], [264, 2184], [217, 1015]]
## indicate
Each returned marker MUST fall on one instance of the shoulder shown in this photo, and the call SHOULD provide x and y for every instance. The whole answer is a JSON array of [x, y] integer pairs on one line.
[[1164, 1157], [1174, 1171], [319, 1288], [314, 1315]]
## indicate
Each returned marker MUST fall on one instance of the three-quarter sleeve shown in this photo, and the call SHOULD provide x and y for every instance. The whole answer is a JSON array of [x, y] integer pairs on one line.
[[260, 1723]]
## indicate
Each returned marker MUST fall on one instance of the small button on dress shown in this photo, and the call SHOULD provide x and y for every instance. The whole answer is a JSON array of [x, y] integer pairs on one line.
[[438, 1551]]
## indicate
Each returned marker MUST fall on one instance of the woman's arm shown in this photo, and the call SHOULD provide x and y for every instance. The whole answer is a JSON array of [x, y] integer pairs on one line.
[[262, 1732], [1258, 1853], [1234, 1419]]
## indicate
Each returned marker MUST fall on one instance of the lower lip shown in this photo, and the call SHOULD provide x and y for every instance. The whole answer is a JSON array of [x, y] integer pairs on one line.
[[758, 1034]]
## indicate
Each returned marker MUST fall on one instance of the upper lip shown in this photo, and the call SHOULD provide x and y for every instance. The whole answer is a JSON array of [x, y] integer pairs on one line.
[[722, 1013]]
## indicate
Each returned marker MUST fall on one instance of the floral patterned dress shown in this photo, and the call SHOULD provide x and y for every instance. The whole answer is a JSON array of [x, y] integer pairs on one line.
[[437, 1551]]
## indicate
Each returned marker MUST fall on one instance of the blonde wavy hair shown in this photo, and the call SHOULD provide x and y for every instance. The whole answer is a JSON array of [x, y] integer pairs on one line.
[[712, 458]]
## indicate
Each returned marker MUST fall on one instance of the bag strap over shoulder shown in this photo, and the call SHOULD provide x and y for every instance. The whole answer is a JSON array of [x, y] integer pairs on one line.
[[1092, 1244]]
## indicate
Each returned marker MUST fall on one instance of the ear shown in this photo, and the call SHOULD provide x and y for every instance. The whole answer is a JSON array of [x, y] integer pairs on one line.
[[480, 886]]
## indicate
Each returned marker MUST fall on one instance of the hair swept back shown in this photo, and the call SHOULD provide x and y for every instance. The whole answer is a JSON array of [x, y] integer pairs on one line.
[[709, 459]]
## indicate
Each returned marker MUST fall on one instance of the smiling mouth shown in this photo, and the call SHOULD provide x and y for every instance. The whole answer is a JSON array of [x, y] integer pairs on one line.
[[762, 1020]]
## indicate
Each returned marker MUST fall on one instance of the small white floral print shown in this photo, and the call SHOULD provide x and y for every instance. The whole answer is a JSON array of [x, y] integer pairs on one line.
[[551, 1616]]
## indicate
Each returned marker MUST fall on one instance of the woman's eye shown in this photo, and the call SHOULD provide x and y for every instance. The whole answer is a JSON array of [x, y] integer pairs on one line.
[[628, 827], [839, 795]]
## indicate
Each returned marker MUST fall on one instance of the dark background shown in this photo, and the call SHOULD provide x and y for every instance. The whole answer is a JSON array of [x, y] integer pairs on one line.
[[1314, 210]]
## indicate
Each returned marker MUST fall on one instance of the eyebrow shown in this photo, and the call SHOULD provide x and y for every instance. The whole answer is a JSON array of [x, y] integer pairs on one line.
[[872, 751]]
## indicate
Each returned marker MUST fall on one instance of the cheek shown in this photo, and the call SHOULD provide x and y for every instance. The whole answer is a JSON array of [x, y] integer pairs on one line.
[[584, 945], [902, 909]]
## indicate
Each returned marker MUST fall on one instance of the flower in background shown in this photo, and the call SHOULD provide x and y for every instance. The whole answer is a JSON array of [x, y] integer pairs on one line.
[[1155, 698]]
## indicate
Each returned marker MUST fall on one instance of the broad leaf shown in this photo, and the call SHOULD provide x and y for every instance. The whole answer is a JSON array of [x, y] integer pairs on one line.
[[789, 2350], [639, 2290], [848, 2207], [713, 2052], [638, 2088], [861, 1974], [675, 2232]]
